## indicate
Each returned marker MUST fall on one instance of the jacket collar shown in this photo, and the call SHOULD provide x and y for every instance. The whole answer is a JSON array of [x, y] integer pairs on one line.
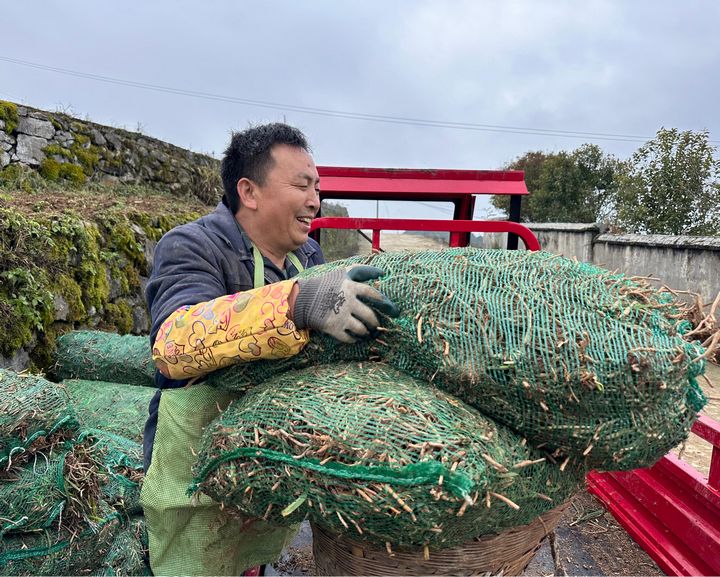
[[222, 222]]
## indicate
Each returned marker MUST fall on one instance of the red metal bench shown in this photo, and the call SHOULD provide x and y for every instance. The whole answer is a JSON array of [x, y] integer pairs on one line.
[[670, 509]]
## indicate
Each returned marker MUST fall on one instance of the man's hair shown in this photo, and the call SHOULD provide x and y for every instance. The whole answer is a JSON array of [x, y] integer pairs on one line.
[[249, 156]]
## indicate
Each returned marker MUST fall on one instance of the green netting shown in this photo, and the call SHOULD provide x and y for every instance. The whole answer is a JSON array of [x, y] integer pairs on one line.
[[115, 408], [35, 496], [128, 551], [62, 489], [35, 415], [123, 470], [573, 357], [80, 552], [99, 356], [367, 449]]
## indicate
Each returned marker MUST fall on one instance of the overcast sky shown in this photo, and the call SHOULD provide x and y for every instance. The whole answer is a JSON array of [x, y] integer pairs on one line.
[[621, 67]]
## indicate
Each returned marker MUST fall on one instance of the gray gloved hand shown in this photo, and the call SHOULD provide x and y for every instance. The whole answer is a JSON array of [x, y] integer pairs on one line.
[[340, 305]]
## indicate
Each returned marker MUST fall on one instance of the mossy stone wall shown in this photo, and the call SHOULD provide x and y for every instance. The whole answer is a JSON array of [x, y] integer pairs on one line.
[[67, 262], [66, 148], [64, 272]]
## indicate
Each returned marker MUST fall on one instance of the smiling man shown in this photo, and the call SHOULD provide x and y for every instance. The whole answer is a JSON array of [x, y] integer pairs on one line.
[[222, 292]]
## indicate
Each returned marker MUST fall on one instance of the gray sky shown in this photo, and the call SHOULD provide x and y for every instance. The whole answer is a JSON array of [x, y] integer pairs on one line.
[[620, 67]]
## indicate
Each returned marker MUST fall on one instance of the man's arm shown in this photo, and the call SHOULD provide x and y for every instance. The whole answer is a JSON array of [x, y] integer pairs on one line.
[[244, 326], [199, 328]]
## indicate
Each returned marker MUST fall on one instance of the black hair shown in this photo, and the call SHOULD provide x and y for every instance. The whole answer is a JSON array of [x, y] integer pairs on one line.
[[249, 156]]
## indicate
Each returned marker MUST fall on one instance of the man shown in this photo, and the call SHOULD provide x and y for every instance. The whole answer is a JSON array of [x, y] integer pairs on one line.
[[222, 292]]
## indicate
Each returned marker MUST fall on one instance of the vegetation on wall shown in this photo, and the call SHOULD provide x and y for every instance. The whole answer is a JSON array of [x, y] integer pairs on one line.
[[73, 253], [9, 115], [337, 244], [672, 187], [62, 243]]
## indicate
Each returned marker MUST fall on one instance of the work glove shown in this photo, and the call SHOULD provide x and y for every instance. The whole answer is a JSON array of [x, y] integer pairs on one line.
[[340, 305]]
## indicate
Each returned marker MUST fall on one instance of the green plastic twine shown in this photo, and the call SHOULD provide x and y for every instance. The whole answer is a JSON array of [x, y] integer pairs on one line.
[[424, 473]]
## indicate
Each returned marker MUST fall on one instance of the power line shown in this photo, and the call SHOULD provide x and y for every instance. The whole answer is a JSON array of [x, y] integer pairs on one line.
[[442, 209], [333, 113]]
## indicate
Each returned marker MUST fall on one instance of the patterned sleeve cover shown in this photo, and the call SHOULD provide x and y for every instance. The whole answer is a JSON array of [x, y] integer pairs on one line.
[[245, 326]]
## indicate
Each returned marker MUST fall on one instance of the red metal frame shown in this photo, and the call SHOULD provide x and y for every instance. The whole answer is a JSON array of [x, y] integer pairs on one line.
[[452, 226], [670, 509], [435, 185], [442, 184]]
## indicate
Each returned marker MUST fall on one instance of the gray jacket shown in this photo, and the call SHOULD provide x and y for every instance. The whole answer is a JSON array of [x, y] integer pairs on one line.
[[206, 259]]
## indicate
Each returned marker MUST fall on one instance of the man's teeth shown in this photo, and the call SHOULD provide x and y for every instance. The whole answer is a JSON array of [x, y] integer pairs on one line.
[[305, 219]]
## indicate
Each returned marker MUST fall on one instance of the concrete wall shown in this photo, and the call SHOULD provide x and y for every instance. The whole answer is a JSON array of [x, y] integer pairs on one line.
[[680, 262]]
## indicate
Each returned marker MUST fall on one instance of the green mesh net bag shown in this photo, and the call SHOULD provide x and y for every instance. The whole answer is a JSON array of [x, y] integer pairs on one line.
[[34, 498], [99, 356], [128, 551], [123, 472], [577, 359], [62, 490], [368, 450], [115, 408], [59, 490], [49, 552], [35, 416], [583, 361]]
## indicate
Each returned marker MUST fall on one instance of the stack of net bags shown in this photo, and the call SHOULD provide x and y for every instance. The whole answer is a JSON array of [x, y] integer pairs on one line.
[[506, 377], [69, 493]]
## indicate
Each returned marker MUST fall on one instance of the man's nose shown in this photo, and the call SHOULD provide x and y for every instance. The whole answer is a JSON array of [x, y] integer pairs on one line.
[[313, 200]]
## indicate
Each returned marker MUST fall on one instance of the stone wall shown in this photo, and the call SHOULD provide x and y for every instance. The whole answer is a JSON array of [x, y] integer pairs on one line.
[[88, 269], [680, 262], [61, 146]]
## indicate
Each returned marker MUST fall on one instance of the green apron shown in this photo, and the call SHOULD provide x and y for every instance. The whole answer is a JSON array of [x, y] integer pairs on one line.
[[196, 537]]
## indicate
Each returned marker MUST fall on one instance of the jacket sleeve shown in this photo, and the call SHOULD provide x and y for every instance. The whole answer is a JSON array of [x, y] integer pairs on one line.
[[245, 326]]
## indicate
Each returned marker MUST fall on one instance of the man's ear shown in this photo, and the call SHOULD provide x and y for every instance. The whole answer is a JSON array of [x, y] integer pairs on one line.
[[247, 193]]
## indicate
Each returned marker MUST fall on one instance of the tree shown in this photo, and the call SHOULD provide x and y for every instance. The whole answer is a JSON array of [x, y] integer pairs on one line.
[[531, 163], [672, 186], [576, 186]]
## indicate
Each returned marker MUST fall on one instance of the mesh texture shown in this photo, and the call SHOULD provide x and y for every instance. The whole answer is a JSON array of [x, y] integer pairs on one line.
[[575, 358], [35, 415], [80, 552], [367, 449], [117, 408], [100, 356]]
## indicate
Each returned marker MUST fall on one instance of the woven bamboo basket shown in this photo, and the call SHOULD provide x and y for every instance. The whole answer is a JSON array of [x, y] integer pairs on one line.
[[507, 553]]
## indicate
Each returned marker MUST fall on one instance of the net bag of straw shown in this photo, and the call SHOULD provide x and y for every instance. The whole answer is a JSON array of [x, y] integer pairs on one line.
[[364, 449], [587, 363], [35, 416]]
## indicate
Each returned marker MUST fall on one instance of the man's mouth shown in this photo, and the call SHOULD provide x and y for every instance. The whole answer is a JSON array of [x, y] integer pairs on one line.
[[305, 219]]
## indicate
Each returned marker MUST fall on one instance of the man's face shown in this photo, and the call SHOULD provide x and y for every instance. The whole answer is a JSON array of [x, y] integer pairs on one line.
[[289, 199]]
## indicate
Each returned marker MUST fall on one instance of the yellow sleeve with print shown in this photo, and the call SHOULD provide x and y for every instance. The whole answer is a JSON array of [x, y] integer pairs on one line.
[[245, 326]]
